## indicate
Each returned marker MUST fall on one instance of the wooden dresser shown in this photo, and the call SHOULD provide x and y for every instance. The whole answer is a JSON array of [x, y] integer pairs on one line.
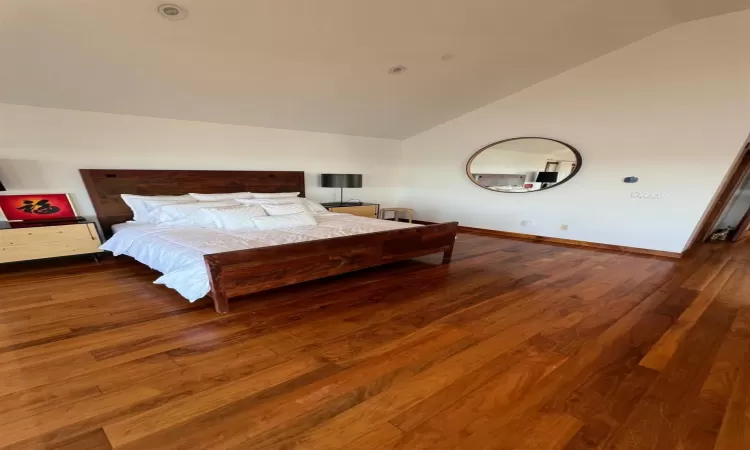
[[23, 242], [358, 209]]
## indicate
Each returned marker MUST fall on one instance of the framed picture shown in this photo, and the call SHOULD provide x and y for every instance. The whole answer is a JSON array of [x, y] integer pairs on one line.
[[37, 207]]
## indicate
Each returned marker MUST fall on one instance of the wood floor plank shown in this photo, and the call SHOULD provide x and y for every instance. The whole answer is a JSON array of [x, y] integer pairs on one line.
[[729, 362], [702, 421], [186, 408], [707, 272], [289, 432], [735, 428], [446, 426], [27, 407], [605, 399], [361, 418], [52, 419], [382, 436], [514, 345], [242, 420], [654, 422], [611, 344], [77, 363], [197, 376], [93, 440], [550, 431], [418, 414], [662, 352], [372, 319], [72, 432]]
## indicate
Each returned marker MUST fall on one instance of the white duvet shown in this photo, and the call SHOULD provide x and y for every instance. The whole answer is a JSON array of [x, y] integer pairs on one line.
[[177, 251]]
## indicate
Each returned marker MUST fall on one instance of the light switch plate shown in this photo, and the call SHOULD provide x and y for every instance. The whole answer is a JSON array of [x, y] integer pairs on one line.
[[648, 195]]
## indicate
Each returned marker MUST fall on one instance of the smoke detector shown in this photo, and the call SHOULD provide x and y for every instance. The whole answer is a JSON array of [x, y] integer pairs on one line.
[[395, 70], [172, 12]]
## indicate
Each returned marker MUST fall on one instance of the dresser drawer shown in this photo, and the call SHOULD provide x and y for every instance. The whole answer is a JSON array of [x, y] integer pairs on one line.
[[370, 211], [38, 235], [48, 250], [22, 244]]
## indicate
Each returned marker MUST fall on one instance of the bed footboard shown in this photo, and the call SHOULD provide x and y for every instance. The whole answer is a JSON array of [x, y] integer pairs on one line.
[[243, 272]]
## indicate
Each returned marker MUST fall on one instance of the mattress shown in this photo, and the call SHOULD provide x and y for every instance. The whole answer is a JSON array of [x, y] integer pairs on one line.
[[177, 251]]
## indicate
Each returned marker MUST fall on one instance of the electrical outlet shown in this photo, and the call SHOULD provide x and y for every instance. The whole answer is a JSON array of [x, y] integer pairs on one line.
[[564, 227], [527, 223]]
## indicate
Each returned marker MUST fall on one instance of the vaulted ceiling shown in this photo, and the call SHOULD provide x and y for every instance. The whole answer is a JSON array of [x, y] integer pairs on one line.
[[315, 65]]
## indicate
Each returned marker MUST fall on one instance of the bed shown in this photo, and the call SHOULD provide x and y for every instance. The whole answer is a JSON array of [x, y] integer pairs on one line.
[[227, 264]]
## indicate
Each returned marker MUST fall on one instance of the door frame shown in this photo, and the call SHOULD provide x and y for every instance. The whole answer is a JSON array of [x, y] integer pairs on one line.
[[740, 168]]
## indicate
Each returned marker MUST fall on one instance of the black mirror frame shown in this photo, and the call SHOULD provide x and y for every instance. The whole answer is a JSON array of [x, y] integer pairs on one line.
[[579, 163]]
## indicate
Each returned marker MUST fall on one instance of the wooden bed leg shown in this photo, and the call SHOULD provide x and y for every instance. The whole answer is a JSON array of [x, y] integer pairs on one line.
[[447, 254], [221, 304]]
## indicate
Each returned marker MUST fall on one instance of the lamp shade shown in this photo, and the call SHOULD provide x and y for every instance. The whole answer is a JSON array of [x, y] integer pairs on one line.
[[341, 180], [546, 177]]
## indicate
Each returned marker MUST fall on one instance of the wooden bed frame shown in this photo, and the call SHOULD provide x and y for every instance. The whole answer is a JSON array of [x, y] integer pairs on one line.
[[242, 272]]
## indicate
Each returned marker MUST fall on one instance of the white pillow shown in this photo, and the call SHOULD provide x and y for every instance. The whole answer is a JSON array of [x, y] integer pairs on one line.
[[284, 209], [235, 217], [151, 205], [275, 201], [311, 205], [285, 221], [137, 204], [188, 213], [220, 197], [275, 195], [315, 207]]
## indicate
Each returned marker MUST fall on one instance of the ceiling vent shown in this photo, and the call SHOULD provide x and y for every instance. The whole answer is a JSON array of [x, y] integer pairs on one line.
[[173, 12]]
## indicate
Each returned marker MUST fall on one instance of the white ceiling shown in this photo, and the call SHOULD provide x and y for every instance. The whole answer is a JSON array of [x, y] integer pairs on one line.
[[316, 65]]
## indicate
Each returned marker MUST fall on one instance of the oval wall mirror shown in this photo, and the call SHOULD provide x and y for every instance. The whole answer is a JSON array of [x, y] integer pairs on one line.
[[524, 164]]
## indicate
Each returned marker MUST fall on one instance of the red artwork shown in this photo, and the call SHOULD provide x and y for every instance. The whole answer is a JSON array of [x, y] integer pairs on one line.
[[37, 207]]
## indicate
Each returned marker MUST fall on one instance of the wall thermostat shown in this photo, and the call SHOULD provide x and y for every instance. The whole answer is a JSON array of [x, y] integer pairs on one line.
[[631, 180]]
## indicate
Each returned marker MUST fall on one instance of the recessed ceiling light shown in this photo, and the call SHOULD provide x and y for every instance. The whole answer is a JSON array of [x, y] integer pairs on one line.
[[172, 12], [396, 70]]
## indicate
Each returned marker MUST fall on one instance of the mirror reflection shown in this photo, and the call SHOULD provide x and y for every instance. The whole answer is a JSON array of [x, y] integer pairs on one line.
[[523, 165]]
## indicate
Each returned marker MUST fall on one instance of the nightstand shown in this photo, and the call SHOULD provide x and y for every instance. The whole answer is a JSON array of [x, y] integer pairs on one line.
[[22, 241], [369, 210]]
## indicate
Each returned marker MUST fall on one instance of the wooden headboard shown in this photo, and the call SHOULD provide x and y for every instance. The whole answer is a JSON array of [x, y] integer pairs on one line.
[[106, 186]]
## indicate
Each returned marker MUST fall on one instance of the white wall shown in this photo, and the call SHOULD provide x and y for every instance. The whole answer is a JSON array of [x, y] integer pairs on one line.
[[672, 109], [42, 149]]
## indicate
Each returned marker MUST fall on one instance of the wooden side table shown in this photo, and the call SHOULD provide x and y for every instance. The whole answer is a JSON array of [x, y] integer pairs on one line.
[[20, 241], [369, 210]]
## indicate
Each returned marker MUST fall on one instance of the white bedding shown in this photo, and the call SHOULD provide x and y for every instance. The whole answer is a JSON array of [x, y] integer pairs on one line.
[[177, 251]]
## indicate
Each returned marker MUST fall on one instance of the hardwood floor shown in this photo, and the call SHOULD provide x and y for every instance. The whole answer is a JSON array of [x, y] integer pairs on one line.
[[513, 345]]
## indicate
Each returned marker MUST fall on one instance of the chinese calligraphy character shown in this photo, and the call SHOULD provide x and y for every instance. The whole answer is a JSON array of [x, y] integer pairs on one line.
[[40, 207]]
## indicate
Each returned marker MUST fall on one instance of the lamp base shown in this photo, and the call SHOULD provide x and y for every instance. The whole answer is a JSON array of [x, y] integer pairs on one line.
[[347, 203]]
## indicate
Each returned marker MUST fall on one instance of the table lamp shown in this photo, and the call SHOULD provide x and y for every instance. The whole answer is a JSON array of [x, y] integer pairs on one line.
[[341, 181]]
